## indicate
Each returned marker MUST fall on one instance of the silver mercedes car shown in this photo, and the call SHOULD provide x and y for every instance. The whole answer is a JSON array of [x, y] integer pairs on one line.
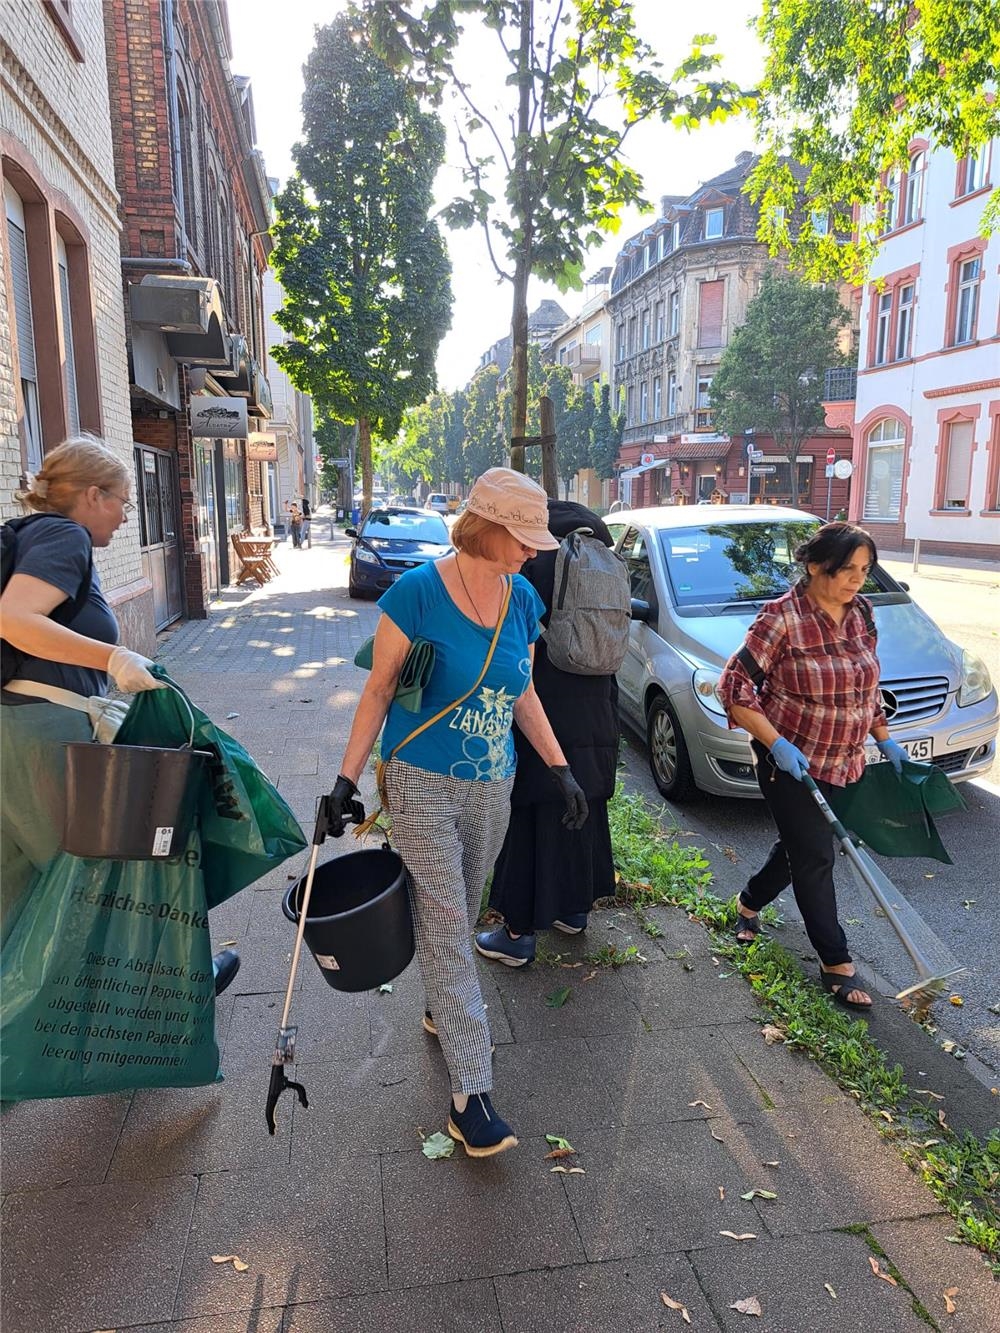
[[699, 575]]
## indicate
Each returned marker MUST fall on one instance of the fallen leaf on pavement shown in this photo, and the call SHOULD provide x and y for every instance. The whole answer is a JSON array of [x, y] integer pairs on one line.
[[715, 961], [233, 1259], [705, 1104], [561, 1152], [956, 1000], [688, 967], [949, 1304], [591, 975], [671, 1304], [830, 1290], [938, 1097], [730, 854], [968, 902], [743, 1235], [718, 1137], [772, 1164], [759, 1194], [722, 1192], [771, 1034], [568, 1170], [886, 1116], [558, 997], [886, 1277], [227, 944], [941, 1120], [571, 965], [558, 1141], [230, 716], [751, 1305], [385, 988], [438, 1145]]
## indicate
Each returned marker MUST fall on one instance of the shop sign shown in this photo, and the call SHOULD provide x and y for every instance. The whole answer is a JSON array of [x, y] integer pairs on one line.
[[704, 437], [219, 418], [262, 448]]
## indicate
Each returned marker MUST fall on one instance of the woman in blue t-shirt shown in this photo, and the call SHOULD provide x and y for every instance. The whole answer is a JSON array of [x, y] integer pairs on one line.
[[448, 788]]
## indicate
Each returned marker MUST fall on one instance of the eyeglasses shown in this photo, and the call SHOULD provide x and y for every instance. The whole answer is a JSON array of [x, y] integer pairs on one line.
[[127, 505]]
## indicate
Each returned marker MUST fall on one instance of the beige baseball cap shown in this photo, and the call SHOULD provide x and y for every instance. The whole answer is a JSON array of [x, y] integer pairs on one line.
[[515, 502]]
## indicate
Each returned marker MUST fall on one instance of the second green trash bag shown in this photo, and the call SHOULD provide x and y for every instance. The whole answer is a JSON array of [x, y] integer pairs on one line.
[[893, 815], [246, 826]]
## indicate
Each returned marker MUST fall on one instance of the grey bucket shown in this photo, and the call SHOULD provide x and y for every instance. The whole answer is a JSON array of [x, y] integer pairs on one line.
[[129, 802], [358, 926]]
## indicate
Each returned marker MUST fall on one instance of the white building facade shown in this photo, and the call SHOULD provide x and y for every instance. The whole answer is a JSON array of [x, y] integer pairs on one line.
[[926, 436], [292, 475]]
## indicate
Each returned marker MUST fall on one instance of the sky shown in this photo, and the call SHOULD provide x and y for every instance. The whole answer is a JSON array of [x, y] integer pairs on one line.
[[272, 40]]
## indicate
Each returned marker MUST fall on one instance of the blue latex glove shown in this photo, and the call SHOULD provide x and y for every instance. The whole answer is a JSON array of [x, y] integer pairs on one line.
[[894, 752], [790, 759]]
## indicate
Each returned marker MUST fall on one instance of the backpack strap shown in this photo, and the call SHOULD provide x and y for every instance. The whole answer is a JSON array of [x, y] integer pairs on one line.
[[865, 607]]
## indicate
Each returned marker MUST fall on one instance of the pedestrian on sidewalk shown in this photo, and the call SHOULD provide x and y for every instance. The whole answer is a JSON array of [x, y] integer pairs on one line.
[[60, 645], [295, 525], [805, 686], [548, 875], [449, 797], [306, 521]]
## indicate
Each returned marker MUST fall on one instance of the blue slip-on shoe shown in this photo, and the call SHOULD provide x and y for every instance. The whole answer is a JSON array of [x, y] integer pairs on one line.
[[571, 924], [498, 944], [479, 1129], [225, 965]]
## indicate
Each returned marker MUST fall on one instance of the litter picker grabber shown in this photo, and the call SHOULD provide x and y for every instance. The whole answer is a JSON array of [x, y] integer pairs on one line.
[[913, 932], [284, 1051]]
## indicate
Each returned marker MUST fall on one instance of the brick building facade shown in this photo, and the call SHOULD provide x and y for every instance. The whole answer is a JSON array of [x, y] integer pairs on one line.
[[63, 364], [194, 248]]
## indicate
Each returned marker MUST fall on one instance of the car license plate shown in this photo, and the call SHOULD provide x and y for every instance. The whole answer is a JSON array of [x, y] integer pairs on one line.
[[920, 751]]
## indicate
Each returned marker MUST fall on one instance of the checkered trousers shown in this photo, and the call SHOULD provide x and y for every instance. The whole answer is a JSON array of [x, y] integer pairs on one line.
[[449, 832]]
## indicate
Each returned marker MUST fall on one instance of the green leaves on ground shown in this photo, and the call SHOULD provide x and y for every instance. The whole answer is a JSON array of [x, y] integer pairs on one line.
[[436, 1146], [558, 997]]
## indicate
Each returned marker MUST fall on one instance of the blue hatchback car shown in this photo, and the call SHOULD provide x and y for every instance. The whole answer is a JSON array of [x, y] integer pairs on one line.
[[391, 541]]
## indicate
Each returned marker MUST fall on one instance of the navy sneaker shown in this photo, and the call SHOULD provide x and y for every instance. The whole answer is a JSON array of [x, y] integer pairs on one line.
[[498, 944], [225, 965], [571, 924], [479, 1129]]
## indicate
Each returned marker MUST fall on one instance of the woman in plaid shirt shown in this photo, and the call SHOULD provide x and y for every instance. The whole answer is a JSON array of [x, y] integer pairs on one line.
[[805, 686]]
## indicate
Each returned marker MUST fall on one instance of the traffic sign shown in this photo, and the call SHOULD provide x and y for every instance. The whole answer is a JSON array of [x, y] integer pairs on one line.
[[340, 462], [757, 456], [831, 456], [843, 468], [762, 471]]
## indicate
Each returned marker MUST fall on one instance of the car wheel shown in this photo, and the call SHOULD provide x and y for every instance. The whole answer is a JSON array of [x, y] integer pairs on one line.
[[354, 592], [668, 756]]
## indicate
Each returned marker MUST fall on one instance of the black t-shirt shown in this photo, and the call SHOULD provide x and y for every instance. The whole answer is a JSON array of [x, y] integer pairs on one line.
[[57, 551], [306, 514]]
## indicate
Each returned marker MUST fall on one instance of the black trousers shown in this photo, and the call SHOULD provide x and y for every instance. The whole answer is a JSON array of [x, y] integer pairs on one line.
[[803, 856]]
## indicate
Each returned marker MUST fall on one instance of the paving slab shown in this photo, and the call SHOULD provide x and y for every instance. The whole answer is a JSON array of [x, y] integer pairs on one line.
[[370, 1104], [454, 1307], [668, 996], [244, 1321], [786, 1076], [686, 1074], [66, 1140], [931, 1264], [331, 1026], [94, 1256], [617, 1297], [594, 1008], [307, 1233], [788, 1278], [654, 1189], [231, 919], [459, 1218], [551, 1088], [265, 964], [396, 1015], [173, 1131]]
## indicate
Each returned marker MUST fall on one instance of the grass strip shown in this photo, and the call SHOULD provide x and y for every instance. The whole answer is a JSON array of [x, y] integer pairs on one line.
[[962, 1171]]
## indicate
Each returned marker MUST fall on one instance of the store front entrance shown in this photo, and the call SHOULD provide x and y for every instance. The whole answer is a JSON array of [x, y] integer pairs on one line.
[[156, 505]]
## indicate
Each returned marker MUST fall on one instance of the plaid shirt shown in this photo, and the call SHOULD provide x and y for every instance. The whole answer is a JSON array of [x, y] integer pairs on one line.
[[816, 682]]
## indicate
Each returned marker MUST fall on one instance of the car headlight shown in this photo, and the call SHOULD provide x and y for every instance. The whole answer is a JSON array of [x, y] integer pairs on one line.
[[976, 683], [365, 557], [706, 687]]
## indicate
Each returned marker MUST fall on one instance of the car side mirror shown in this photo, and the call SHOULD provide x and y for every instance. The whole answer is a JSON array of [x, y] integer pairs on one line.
[[351, 532], [641, 610], [904, 586]]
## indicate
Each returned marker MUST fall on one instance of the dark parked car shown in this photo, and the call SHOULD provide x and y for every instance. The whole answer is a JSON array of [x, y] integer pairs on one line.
[[391, 541]]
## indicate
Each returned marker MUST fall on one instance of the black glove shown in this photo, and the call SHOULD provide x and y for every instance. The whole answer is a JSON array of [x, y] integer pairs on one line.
[[572, 793], [342, 808]]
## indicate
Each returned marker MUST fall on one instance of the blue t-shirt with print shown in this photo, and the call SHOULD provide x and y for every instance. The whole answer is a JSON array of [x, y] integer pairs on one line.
[[472, 741]]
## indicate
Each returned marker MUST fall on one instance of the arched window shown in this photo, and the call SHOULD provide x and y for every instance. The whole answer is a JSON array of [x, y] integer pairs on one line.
[[189, 204], [916, 171], [890, 203], [884, 479]]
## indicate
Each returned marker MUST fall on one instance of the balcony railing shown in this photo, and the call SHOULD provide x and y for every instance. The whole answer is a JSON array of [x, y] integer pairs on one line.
[[583, 355], [840, 385]]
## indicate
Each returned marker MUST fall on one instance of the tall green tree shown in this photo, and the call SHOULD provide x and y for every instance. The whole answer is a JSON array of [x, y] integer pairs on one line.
[[365, 272], [574, 414], [848, 85], [605, 435], [546, 176], [771, 375], [483, 424]]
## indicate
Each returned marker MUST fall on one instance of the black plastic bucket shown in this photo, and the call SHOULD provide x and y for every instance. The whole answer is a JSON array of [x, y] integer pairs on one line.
[[358, 927], [129, 802]]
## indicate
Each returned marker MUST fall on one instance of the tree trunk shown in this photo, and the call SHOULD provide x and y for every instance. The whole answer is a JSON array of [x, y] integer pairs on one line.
[[365, 451], [522, 268]]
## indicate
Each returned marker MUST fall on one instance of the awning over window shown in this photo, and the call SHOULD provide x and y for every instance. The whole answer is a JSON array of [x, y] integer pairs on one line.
[[643, 467], [188, 312], [689, 453]]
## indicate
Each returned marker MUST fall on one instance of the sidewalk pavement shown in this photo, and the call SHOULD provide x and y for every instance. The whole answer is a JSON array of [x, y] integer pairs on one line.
[[954, 568], [114, 1206]]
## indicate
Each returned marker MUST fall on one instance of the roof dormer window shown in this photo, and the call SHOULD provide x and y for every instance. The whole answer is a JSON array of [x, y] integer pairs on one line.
[[713, 223]]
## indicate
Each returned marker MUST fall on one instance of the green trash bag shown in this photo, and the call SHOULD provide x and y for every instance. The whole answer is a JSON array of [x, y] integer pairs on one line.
[[413, 676], [107, 980], [893, 814], [246, 826]]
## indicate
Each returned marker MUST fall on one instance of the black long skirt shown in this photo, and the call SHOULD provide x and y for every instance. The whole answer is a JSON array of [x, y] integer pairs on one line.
[[546, 872]]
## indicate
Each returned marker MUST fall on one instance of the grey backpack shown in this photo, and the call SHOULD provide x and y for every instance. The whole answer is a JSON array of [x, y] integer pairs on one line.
[[588, 628]]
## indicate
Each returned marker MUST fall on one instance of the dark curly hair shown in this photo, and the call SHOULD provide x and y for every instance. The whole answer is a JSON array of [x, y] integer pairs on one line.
[[831, 547]]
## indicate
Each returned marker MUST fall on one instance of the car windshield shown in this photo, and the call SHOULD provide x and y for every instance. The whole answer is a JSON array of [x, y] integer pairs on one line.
[[724, 564], [405, 525]]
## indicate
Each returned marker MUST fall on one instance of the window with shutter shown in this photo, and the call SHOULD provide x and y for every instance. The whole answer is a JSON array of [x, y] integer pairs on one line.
[[710, 313], [25, 331], [69, 363], [958, 467]]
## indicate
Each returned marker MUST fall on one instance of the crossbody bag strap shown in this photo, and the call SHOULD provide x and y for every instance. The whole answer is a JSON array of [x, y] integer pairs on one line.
[[361, 829]]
